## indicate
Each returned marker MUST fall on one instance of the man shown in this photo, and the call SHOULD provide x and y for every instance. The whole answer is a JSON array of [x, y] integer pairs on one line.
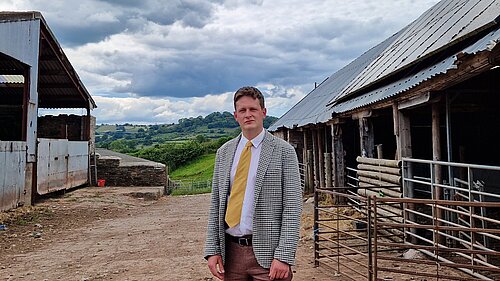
[[254, 219]]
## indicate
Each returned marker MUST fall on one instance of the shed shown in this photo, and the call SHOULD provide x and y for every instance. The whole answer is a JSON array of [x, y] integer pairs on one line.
[[39, 154], [425, 101]]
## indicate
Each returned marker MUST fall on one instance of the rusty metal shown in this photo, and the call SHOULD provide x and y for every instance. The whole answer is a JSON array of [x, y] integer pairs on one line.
[[371, 254], [449, 259], [337, 246]]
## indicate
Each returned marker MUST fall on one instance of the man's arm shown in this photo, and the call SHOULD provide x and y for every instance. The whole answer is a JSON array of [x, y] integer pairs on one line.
[[212, 242], [292, 208]]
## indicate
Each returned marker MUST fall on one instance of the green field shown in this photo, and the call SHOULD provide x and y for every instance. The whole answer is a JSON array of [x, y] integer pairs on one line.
[[199, 170], [195, 176]]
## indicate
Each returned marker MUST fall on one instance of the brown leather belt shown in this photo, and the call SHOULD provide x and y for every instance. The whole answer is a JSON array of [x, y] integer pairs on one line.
[[242, 241]]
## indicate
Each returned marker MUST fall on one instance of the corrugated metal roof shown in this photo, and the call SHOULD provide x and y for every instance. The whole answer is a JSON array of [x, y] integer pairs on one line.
[[404, 84], [312, 108], [447, 21], [59, 86], [11, 79]]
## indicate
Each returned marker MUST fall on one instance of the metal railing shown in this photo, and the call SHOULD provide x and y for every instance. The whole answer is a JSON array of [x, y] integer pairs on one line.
[[365, 239], [442, 260], [188, 186], [341, 240]]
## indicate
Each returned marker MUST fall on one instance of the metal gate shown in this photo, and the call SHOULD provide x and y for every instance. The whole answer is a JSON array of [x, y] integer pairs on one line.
[[364, 240]]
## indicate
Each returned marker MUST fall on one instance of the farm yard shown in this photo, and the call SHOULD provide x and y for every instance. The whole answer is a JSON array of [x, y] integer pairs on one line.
[[116, 233]]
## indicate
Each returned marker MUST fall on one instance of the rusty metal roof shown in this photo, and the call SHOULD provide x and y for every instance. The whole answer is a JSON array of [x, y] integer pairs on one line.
[[59, 86], [420, 51]]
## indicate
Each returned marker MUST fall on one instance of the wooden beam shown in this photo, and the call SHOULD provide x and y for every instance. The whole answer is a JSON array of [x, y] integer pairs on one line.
[[366, 137], [321, 156], [338, 162]]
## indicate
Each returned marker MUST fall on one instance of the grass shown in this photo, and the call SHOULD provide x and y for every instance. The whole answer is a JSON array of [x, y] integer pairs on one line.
[[201, 169]]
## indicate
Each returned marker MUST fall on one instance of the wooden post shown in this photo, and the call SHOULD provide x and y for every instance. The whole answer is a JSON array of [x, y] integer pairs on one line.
[[380, 153], [436, 156], [310, 171], [395, 120], [436, 146], [338, 163], [321, 158], [304, 151], [328, 169], [403, 138], [366, 137], [314, 134]]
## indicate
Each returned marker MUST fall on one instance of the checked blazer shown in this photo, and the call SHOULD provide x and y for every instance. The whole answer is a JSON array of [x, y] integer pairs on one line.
[[277, 202]]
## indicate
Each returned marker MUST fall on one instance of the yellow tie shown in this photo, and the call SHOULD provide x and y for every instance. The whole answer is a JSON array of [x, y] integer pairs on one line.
[[233, 211]]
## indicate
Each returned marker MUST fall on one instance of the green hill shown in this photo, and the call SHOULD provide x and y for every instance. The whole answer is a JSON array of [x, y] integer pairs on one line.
[[199, 170], [127, 138]]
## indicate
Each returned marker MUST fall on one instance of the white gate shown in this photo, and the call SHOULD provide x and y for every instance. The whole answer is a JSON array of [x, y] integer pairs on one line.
[[62, 164]]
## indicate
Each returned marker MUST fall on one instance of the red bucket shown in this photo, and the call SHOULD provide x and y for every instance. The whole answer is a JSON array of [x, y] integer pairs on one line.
[[101, 183]]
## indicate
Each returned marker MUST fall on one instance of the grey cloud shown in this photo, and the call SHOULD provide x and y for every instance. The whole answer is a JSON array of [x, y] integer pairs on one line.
[[130, 15]]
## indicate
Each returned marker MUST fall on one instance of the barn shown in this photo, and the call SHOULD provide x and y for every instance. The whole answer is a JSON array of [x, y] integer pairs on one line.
[[39, 153], [413, 118]]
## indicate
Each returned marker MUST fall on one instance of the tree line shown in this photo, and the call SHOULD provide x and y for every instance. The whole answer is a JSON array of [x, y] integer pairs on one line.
[[172, 144]]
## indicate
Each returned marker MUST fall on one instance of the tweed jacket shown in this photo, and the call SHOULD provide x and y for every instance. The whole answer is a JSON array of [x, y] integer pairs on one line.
[[277, 203]]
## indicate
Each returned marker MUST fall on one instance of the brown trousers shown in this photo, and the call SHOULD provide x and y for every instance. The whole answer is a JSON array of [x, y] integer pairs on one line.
[[241, 265]]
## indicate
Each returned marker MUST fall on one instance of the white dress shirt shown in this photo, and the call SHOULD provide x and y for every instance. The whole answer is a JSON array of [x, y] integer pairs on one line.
[[245, 225]]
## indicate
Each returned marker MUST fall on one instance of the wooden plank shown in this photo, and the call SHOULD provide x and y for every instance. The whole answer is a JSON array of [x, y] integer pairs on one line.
[[375, 181], [386, 191], [381, 169], [379, 162], [380, 176]]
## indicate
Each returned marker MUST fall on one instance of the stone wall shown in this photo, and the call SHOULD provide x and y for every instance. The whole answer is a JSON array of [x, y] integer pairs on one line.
[[116, 173]]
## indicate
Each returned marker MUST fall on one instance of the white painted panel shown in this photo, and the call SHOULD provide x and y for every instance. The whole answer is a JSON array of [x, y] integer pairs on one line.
[[23, 39], [62, 164], [12, 173], [78, 165]]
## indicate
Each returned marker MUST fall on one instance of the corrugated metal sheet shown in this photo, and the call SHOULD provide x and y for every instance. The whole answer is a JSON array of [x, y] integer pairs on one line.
[[11, 79], [30, 41], [22, 42], [12, 173], [438, 28], [485, 43], [312, 108], [445, 24]]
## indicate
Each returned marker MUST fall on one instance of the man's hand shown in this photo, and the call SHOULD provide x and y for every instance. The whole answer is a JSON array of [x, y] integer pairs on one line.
[[216, 267], [278, 270]]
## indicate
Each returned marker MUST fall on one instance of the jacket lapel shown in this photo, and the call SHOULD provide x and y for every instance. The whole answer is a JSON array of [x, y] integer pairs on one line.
[[230, 158], [264, 160]]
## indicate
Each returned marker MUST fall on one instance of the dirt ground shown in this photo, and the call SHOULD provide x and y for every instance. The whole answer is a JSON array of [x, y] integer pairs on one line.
[[111, 234]]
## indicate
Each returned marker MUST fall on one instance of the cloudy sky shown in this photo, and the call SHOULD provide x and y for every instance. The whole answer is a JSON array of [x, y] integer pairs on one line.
[[155, 61]]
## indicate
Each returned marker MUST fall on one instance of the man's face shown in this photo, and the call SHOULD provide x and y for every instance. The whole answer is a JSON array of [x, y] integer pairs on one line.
[[249, 114]]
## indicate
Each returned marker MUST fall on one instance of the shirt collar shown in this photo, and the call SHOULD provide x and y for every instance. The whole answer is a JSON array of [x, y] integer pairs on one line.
[[255, 141]]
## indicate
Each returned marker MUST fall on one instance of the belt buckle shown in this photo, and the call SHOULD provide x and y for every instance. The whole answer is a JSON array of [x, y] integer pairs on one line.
[[243, 241]]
